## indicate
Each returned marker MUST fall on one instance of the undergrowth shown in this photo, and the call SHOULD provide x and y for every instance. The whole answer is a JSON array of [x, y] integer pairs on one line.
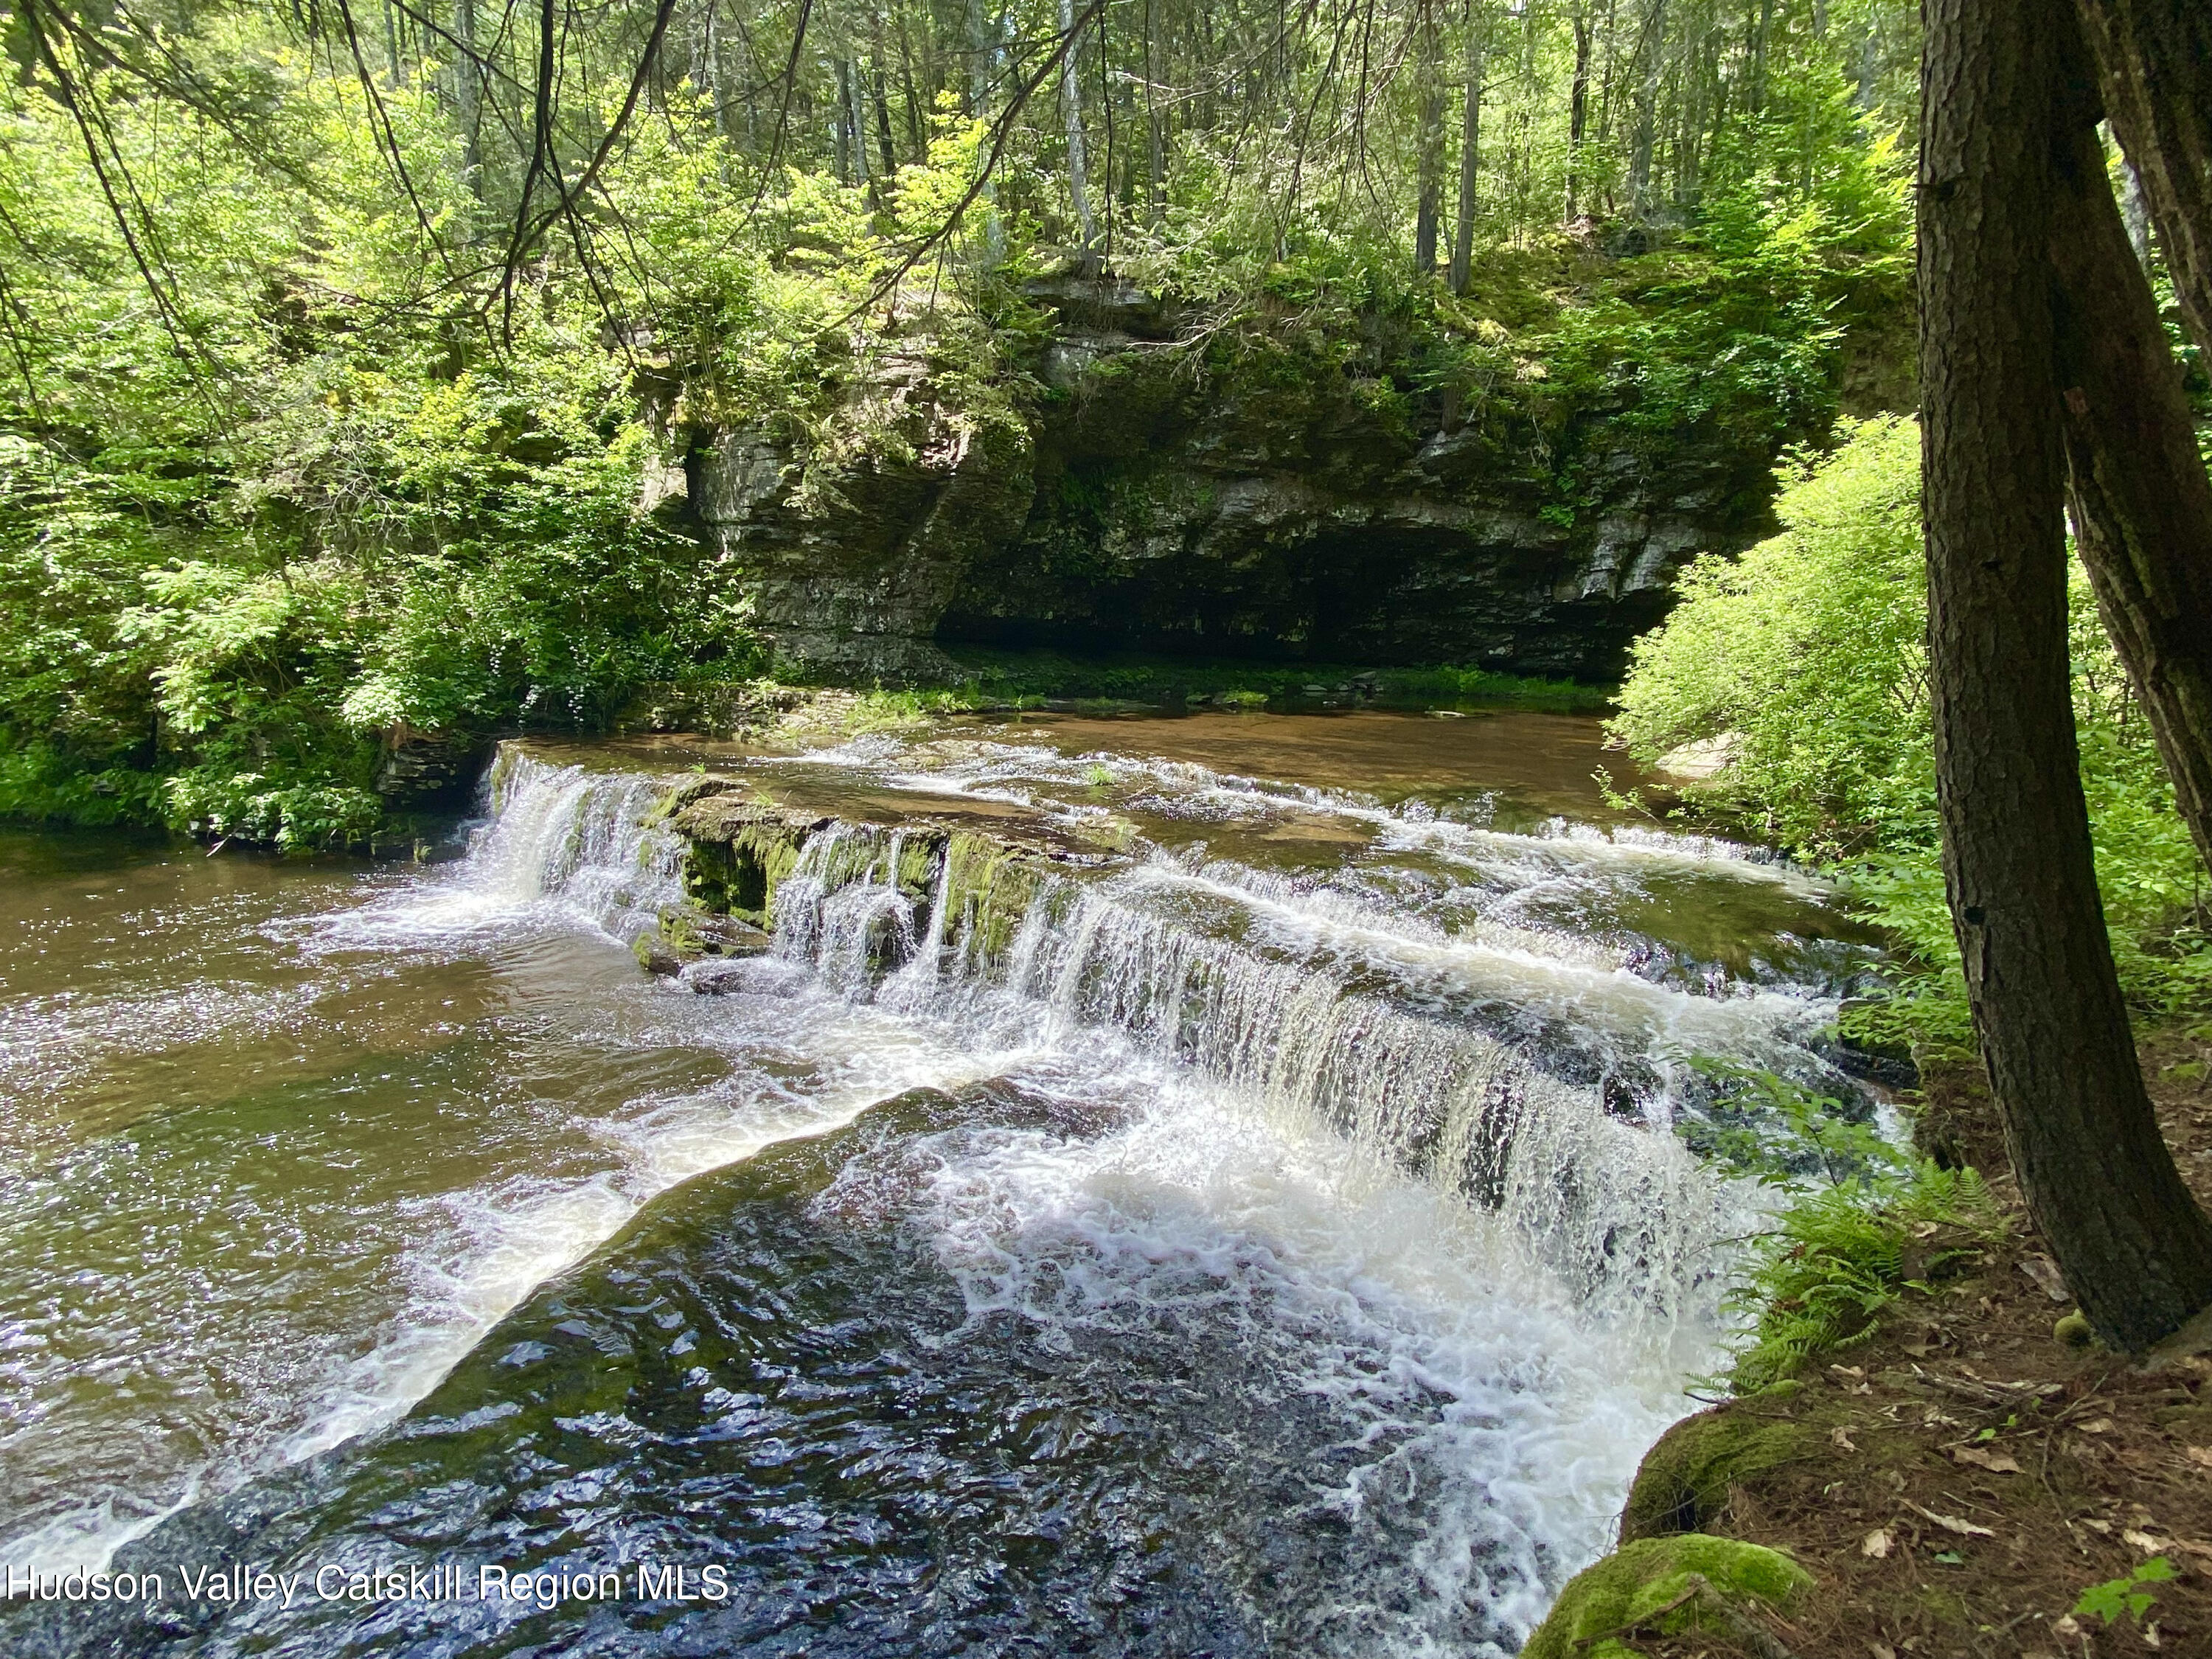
[[1864, 1225], [1838, 1257]]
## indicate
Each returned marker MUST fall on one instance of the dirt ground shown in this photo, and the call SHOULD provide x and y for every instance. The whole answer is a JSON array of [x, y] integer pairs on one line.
[[1957, 1483]]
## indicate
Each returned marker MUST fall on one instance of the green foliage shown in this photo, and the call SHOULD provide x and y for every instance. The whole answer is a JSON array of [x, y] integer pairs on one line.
[[1805, 658], [1805, 661], [331, 421], [1837, 1256], [1770, 1129], [2118, 1598]]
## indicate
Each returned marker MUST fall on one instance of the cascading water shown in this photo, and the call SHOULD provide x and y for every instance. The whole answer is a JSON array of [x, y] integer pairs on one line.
[[1268, 1236], [576, 836]]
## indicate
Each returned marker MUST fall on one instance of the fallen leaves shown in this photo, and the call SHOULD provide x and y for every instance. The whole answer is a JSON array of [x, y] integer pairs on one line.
[[1877, 1544], [1998, 1462], [2096, 1425], [1951, 1522], [1842, 1439], [2048, 1279], [2200, 1455]]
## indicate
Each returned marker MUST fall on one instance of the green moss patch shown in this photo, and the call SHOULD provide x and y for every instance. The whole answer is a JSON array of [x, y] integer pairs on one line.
[[1661, 1587], [1683, 1485]]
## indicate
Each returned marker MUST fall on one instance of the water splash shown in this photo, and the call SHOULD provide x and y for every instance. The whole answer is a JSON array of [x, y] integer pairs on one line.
[[575, 837]]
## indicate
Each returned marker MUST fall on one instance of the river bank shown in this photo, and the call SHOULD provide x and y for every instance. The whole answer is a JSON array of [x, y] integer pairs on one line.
[[1967, 1475]]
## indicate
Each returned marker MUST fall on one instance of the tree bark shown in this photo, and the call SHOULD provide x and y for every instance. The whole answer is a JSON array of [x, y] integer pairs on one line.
[[2141, 502], [1155, 133], [880, 93], [468, 101], [1644, 135], [2135, 213], [1578, 111], [2018, 866], [2154, 63]]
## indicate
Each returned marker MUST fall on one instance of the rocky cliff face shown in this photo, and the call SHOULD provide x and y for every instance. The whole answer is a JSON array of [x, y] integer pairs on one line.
[[1147, 498]]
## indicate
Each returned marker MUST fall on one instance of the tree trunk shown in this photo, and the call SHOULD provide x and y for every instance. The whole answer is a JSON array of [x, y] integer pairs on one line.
[[841, 128], [850, 77], [983, 69], [2154, 60], [1429, 163], [1470, 152], [2135, 213], [468, 102], [2142, 504], [1578, 111], [1760, 30], [2083, 1141], [709, 75], [1644, 134], [880, 92], [1071, 109], [1156, 207]]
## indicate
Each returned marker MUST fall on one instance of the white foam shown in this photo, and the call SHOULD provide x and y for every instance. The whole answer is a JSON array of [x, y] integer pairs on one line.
[[1494, 1418]]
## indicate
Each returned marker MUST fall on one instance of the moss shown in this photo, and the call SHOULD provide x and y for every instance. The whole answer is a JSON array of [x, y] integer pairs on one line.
[[1683, 1485], [1653, 1584], [738, 876], [697, 788], [991, 889]]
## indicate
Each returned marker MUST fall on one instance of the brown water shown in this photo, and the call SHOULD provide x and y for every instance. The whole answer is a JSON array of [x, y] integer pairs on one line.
[[287, 1143]]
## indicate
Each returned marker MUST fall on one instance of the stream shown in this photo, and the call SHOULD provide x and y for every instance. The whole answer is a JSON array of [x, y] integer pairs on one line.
[[1280, 1243]]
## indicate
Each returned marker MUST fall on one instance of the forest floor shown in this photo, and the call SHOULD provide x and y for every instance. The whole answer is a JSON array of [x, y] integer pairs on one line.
[[1957, 1483]]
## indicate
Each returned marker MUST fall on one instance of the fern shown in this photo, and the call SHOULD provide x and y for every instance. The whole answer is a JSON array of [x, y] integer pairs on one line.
[[1839, 1256]]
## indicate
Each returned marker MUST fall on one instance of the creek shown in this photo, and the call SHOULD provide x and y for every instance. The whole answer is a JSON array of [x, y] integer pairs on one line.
[[1276, 1240]]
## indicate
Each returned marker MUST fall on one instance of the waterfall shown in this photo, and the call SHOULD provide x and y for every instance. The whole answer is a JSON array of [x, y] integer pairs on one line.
[[1483, 1064], [576, 836], [1612, 1207]]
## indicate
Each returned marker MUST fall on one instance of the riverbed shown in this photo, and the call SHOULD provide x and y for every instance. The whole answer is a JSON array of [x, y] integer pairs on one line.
[[1116, 1300]]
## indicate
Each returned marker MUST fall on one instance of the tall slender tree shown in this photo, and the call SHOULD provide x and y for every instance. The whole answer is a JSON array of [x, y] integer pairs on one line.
[[1071, 106], [2079, 1126], [1470, 147]]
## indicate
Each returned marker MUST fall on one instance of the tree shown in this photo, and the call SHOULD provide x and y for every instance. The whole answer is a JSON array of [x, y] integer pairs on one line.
[[1470, 148], [1430, 162], [1071, 106], [2140, 499], [2154, 58], [2045, 998]]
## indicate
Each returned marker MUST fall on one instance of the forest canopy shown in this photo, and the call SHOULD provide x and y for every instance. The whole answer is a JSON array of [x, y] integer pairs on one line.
[[344, 340]]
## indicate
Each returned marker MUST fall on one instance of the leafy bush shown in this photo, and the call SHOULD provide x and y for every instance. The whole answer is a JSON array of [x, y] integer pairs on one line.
[[1768, 1128], [1805, 659], [1804, 664]]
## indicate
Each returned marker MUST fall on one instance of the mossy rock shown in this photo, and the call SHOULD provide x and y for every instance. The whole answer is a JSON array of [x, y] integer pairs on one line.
[[1651, 1587], [1683, 1484]]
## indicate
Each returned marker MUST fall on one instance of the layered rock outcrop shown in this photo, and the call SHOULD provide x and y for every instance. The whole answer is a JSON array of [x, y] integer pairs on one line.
[[1145, 495]]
